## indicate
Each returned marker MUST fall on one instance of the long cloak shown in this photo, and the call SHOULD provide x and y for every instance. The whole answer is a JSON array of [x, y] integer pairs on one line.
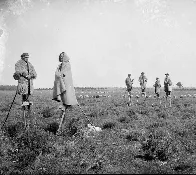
[[63, 90], [157, 86], [143, 81], [167, 84]]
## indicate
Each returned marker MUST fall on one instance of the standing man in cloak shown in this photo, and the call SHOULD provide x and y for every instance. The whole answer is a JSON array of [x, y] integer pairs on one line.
[[63, 90], [143, 81], [25, 73], [157, 87], [129, 84], [168, 88]]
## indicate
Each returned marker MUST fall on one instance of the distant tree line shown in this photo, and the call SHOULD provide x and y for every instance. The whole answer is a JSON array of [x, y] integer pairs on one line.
[[8, 87], [185, 88], [13, 88]]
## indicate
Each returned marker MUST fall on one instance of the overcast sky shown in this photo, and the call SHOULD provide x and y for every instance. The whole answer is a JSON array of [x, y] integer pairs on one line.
[[105, 39]]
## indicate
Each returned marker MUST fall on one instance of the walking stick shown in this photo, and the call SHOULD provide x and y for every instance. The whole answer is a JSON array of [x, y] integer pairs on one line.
[[84, 114], [63, 117], [10, 108]]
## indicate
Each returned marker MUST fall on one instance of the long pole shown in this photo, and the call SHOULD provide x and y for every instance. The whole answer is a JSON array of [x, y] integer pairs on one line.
[[10, 108]]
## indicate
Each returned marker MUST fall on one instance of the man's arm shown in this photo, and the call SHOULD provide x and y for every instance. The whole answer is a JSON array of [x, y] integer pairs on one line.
[[18, 67], [169, 82], [139, 79], [32, 74], [126, 83], [146, 79], [19, 71]]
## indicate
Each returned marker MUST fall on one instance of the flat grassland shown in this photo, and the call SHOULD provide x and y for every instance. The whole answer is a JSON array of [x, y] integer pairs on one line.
[[142, 138]]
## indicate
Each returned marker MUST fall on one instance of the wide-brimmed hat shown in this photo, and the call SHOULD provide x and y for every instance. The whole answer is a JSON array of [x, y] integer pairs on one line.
[[166, 74], [25, 55]]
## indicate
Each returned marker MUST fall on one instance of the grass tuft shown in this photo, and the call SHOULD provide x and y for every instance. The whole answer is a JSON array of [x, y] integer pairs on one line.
[[52, 127], [108, 124]]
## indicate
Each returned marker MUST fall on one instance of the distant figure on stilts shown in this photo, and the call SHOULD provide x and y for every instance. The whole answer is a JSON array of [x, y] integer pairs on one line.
[[143, 81], [129, 83], [157, 86], [168, 88]]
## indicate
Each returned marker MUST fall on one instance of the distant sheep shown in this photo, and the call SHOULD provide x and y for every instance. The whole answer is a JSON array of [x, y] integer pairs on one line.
[[181, 96], [80, 96], [96, 96]]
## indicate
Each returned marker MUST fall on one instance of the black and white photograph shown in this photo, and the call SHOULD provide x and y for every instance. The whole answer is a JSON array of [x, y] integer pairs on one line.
[[97, 87]]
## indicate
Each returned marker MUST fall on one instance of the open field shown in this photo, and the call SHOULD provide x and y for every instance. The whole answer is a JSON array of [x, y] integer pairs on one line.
[[138, 139]]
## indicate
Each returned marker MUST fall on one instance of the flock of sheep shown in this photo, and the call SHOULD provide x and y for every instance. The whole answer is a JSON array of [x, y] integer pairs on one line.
[[99, 94]]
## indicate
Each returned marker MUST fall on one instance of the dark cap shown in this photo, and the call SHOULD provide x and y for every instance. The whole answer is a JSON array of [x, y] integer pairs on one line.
[[166, 74], [26, 55]]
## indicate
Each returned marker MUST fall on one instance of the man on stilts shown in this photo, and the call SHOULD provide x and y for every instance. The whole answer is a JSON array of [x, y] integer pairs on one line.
[[157, 86], [63, 90], [143, 81], [25, 73], [129, 83], [168, 88]]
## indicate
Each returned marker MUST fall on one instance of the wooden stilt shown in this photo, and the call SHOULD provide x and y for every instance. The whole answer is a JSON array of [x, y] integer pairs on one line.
[[30, 119], [62, 120], [165, 101], [24, 116], [159, 100], [27, 117], [170, 102], [130, 100]]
